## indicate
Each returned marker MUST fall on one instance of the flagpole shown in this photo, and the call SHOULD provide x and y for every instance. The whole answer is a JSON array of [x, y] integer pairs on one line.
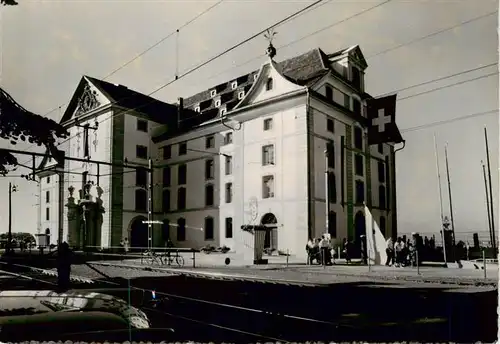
[[487, 201], [440, 191], [493, 243], [450, 198]]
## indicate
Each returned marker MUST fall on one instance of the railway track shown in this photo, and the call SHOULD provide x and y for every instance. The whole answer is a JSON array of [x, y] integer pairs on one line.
[[211, 309]]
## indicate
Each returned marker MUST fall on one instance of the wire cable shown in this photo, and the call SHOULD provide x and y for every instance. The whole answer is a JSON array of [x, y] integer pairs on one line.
[[186, 24]]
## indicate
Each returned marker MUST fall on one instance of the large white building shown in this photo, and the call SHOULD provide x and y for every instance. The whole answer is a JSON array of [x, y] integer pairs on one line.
[[245, 152]]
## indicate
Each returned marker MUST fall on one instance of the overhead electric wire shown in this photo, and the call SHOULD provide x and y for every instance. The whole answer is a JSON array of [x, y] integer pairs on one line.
[[293, 16], [186, 24], [368, 56]]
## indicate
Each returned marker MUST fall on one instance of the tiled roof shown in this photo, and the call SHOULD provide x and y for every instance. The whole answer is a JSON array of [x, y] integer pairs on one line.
[[155, 109]]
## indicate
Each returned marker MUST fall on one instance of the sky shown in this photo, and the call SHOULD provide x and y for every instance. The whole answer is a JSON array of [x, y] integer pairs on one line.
[[46, 47]]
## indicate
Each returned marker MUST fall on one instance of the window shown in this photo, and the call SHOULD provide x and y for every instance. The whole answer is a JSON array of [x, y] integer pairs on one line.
[[48, 180], [222, 111], [380, 148], [142, 125], [166, 201], [183, 148], [330, 126], [217, 103], [167, 176], [347, 101], [381, 172], [229, 165], [47, 214], [165, 233], [197, 109], [358, 138], [141, 152], [269, 84], [268, 155], [360, 192], [47, 197], [332, 224], [356, 106], [330, 149], [268, 187], [329, 92], [358, 165], [229, 227], [209, 195], [213, 93], [181, 229], [209, 228], [241, 95], [228, 138], [181, 199], [234, 85], [268, 124], [141, 177], [356, 78], [381, 197], [181, 174], [382, 225], [210, 142], [229, 192], [332, 188], [255, 77], [167, 152], [141, 200], [209, 169]]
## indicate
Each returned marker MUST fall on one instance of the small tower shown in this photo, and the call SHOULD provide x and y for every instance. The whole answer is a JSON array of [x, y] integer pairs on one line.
[[271, 50]]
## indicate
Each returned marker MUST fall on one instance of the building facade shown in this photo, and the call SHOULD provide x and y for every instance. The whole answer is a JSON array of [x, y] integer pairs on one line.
[[258, 149]]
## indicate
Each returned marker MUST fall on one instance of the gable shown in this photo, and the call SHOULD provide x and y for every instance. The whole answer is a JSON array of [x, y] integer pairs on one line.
[[87, 98], [356, 56], [259, 92]]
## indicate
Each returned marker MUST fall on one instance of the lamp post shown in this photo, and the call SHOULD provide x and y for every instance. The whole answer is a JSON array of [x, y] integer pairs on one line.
[[12, 188]]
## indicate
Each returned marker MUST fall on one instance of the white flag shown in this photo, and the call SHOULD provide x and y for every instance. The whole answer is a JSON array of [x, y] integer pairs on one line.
[[375, 241]]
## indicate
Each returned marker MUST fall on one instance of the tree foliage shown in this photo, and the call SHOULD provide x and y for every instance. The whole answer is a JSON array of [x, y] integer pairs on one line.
[[8, 2], [18, 124]]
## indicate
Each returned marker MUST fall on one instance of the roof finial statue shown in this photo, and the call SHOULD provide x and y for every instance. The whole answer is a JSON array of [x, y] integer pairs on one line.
[[271, 50]]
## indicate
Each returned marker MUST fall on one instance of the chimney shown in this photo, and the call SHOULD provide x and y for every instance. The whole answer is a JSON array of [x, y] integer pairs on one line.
[[180, 109]]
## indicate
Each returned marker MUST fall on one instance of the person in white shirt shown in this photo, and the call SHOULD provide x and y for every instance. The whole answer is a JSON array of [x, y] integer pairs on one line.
[[399, 247], [325, 248]]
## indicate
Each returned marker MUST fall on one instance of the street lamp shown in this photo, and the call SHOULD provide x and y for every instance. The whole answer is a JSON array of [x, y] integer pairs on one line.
[[12, 188]]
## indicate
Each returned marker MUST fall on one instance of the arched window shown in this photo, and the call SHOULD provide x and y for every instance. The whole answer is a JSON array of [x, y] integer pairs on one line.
[[181, 229], [332, 188], [181, 198], [166, 201], [209, 195], [141, 200], [358, 138], [381, 197], [209, 228], [332, 224], [382, 225], [165, 233], [269, 84]]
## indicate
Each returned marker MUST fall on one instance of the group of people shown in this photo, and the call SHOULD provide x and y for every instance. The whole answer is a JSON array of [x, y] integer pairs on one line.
[[320, 250], [401, 253]]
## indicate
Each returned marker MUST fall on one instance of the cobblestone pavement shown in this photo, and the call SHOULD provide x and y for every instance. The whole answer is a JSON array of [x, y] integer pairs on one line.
[[310, 274]]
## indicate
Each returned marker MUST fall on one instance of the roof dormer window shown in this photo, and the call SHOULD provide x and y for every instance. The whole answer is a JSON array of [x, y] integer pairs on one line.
[[241, 95], [197, 109], [269, 84], [217, 103], [234, 85], [222, 111], [213, 93], [255, 77]]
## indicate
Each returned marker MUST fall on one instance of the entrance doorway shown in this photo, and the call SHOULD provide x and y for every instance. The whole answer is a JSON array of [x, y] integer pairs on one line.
[[271, 238], [139, 233]]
